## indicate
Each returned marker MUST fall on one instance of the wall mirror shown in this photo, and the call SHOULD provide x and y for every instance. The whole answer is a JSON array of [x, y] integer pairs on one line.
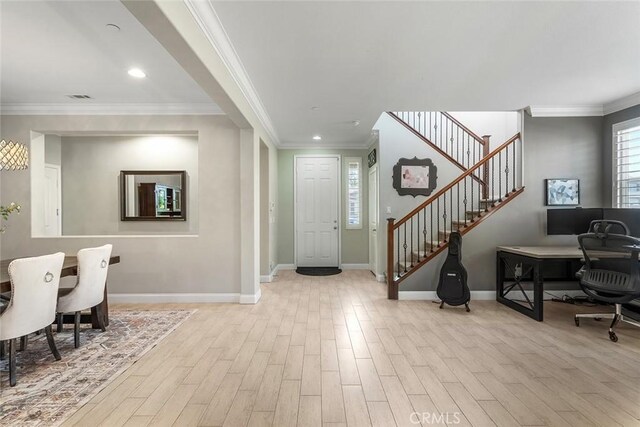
[[153, 195]]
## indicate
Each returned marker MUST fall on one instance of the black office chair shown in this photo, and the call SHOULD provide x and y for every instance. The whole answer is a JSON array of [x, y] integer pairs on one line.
[[611, 272], [615, 227]]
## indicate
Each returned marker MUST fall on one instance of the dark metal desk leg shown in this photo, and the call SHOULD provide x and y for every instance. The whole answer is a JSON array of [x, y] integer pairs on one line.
[[500, 272], [538, 292]]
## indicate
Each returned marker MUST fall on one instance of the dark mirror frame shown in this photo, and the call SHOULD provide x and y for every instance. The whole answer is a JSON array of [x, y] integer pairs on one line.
[[183, 196]]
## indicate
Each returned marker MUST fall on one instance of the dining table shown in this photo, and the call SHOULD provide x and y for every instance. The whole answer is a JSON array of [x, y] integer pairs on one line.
[[69, 268]]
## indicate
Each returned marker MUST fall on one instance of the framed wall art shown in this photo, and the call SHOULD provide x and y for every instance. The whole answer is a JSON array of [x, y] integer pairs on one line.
[[562, 192], [415, 177]]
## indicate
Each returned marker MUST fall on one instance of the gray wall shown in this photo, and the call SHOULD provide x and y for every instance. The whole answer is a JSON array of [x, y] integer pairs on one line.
[[208, 262], [355, 243], [554, 147], [91, 168], [607, 148]]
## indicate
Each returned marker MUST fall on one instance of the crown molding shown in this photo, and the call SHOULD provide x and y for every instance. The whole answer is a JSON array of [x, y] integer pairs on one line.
[[209, 22], [622, 103], [565, 110], [94, 109]]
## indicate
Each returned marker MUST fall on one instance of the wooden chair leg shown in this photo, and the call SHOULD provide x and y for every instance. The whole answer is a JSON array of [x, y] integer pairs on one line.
[[101, 317], [12, 362], [2, 350], [60, 323], [52, 343], [24, 340], [76, 330]]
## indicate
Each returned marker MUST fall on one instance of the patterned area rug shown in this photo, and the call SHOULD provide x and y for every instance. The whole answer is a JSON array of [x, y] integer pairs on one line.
[[49, 391]]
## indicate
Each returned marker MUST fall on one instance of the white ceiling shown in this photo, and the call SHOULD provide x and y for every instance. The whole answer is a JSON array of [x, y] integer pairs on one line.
[[355, 60], [51, 49]]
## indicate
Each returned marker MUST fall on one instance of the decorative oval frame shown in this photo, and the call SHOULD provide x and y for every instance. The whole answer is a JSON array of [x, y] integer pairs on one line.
[[397, 177]]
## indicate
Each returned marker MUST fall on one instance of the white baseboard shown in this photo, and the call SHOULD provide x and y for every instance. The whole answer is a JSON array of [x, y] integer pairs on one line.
[[431, 295], [251, 298], [284, 267], [355, 266], [484, 295], [173, 298], [381, 278], [267, 278]]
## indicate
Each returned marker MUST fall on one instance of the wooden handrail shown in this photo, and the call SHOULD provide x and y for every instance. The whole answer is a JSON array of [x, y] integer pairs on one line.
[[435, 147], [394, 285], [463, 127], [457, 180], [428, 141]]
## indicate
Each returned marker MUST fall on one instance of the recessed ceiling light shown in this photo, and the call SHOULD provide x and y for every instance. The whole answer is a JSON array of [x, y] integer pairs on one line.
[[113, 27], [137, 72], [356, 122], [315, 108], [317, 137]]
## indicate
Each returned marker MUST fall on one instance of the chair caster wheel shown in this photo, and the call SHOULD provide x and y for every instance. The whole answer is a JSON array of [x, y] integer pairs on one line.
[[613, 337], [597, 319], [577, 321]]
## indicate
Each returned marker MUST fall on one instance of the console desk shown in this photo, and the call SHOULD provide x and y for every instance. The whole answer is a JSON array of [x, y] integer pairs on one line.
[[520, 265]]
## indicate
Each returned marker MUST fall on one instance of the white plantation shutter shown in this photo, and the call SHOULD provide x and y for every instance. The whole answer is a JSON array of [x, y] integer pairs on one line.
[[354, 192], [626, 164]]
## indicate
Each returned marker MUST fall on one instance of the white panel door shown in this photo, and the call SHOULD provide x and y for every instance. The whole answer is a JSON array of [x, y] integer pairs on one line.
[[52, 199], [316, 200], [373, 220]]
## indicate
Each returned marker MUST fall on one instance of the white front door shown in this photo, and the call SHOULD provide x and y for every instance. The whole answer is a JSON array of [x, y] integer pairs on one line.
[[316, 204], [52, 201], [373, 220]]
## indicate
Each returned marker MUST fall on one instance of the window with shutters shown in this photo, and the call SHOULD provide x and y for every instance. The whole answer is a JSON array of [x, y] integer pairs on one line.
[[626, 164], [354, 192]]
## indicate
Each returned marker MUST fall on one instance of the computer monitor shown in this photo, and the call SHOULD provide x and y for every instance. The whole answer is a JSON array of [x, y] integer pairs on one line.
[[584, 216], [631, 217], [572, 220], [560, 221]]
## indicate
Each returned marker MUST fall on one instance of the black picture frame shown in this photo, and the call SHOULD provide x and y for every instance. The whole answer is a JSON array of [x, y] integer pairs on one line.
[[372, 158], [549, 187], [404, 190]]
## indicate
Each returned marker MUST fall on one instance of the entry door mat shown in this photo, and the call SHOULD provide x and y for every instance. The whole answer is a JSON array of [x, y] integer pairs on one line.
[[50, 391], [318, 271]]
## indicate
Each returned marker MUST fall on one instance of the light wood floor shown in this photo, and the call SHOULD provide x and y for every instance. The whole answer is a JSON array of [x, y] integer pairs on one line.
[[333, 351]]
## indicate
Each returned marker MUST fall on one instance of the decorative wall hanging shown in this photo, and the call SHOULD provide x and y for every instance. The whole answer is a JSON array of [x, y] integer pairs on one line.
[[562, 192], [372, 157], [415, 177]]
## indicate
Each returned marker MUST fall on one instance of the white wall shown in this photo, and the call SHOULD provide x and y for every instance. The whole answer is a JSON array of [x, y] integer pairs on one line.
[[91, 167], [208, 262], [52, 150], [397, 142]]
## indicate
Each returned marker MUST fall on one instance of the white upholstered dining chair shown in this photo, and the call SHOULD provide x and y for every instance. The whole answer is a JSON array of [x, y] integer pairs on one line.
[[32, 307], [93, 264]]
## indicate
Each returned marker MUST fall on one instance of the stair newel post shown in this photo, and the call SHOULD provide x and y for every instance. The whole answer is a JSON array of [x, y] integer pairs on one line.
[[472, 205], [391, 283], [486, 148]]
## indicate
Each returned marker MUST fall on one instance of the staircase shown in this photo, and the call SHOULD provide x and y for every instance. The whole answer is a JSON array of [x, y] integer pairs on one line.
[[446, 135], [485, 186]]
